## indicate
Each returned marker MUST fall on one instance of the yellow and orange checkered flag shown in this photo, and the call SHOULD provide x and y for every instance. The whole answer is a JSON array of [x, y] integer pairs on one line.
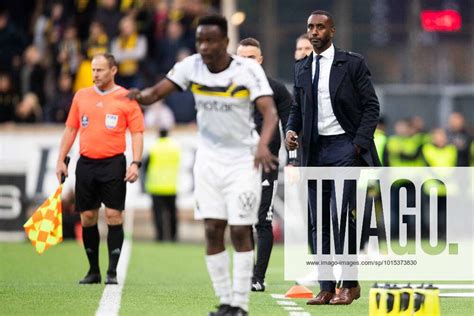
[[45, 226]]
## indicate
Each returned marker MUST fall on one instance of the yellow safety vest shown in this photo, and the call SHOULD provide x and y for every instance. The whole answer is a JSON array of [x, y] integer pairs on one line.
[[446, 156], [380, 140], [398, 146], [163, 168], [440, 157]]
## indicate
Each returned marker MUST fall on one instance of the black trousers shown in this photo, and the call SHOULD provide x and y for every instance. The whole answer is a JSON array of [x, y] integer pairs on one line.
[[330, 151], [264, 226], [164, 207]]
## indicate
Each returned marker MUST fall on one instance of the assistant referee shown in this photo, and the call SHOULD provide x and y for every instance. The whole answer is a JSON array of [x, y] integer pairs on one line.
[[101, 114]]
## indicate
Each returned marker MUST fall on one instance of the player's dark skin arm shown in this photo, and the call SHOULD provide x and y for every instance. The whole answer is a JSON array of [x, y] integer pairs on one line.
[[150, 95], [266, 106]]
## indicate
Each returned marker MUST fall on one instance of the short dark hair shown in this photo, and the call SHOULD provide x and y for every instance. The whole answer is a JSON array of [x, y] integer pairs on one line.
[[250, 41], [110, 59], [326, 13], [214, 19]]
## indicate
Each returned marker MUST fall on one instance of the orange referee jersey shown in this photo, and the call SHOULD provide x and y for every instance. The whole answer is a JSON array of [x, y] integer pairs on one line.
[[102, 119]]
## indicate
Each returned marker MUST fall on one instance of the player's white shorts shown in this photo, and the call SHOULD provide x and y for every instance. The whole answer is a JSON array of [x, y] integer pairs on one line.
[[226, 188]]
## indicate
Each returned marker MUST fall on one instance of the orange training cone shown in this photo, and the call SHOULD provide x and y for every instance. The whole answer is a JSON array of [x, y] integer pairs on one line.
[[299, 291]]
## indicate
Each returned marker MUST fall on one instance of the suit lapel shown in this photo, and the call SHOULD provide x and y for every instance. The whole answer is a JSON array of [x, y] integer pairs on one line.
[[338, 71], [305, 81], [304, 78]]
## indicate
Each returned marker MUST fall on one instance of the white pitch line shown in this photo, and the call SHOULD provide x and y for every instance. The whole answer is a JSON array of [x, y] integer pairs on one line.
[[294, 308], [110, 302], [300, 313], [287, 303], [279, 296], [456, 294]]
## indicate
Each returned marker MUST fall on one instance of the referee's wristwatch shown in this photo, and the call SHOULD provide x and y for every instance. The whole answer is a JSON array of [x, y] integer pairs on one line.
[[137, 162]]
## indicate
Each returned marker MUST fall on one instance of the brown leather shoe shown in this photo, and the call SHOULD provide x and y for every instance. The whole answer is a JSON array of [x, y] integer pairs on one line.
[[346, 296], [322, 298]]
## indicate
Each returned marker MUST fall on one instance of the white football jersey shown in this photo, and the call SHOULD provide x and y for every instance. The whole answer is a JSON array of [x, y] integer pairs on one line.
[[224, 100]]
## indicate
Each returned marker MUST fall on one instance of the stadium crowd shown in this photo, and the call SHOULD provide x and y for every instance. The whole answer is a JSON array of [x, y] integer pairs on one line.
[[47, 46]]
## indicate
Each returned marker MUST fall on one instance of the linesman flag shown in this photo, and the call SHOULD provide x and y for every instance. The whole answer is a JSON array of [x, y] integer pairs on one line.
[[45, 226]]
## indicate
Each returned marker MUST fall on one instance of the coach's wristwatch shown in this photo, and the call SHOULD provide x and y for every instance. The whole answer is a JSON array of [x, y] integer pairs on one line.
[[138, 163]]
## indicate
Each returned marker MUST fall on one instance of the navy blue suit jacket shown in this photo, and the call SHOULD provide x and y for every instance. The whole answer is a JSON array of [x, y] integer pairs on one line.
[[353, 100]]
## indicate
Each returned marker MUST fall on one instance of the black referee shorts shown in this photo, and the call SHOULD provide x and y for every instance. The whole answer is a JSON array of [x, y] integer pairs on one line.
[[100, 181]]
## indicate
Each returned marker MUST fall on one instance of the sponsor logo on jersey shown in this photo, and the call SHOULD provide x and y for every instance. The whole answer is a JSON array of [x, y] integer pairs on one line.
[[111, 120], [213, 105], [84, 121]]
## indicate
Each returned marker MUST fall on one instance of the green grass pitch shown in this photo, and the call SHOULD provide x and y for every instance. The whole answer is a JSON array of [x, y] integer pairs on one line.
[[162, 279]]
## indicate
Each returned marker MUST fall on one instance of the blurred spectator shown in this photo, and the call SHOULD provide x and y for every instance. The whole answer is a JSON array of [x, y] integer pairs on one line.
[[160, 19], [459, 136], [108, 14], [182, 103], [83, 14], [57, 109], [471, 163], [420, 132], [145, 21], [151, 21], [28, 110], [167, 51], [49, 27], [158, 115], [129, 49], [303, 47], [21, 12], [438, 152], [403, 149], [162, 182], [12, 43], [98, 41], [187, 13], [84, 73], [8, 99], [380, 138], [68, 53], [33, 74]]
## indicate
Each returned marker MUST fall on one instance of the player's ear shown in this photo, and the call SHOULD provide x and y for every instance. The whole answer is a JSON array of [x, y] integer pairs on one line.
[[114, 70]]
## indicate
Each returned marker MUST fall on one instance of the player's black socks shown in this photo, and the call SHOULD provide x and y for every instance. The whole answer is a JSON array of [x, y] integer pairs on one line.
[[114, 243], [91, 239]]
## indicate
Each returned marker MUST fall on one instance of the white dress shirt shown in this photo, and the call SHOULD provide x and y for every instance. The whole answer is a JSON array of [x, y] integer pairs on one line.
[[327, 122]]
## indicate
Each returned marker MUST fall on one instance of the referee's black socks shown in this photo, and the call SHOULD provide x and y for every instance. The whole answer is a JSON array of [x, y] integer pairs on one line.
[[114, 243], [91, 239]]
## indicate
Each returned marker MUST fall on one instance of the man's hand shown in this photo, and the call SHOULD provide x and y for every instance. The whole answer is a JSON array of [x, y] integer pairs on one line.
[[264, 156], [132, 173], [291, 140], [61, 169], [134, 94]]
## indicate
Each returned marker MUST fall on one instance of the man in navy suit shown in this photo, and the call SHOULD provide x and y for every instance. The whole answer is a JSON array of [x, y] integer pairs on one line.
[[337, 111]]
